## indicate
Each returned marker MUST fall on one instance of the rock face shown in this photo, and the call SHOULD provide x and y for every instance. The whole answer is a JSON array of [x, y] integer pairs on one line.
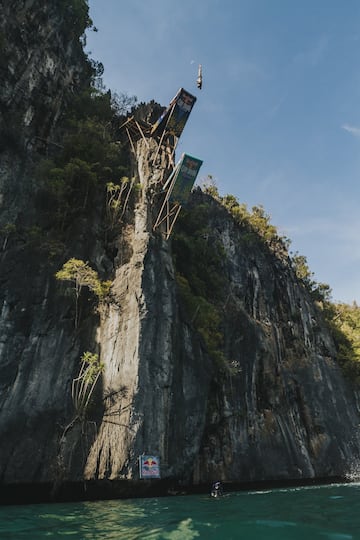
[[283, 410], [41, 64], [153, 363], [287, 413]]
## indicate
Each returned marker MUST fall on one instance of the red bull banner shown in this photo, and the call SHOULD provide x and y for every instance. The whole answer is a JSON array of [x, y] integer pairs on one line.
[[184, 178], [176, 115], [149, 467]]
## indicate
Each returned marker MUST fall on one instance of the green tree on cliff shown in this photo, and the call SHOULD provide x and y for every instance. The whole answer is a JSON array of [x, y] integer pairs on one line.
[[80, 274], [344, 321]]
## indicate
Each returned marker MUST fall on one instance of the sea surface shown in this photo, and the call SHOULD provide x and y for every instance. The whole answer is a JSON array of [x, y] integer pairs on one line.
[[306, 513]]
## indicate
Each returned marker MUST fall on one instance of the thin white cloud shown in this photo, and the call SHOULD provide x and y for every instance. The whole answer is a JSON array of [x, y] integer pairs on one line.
[[351, 129]]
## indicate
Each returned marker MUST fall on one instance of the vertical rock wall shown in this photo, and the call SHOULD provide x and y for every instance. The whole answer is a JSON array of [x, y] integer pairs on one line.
[[283, 410], [153, 365], [41, 64]]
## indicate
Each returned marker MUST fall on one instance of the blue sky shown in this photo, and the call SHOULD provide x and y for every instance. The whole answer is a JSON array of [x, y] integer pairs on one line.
[[277, 122]]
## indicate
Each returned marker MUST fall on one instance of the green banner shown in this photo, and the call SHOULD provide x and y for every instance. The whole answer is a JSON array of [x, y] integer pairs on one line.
[[184, 178]]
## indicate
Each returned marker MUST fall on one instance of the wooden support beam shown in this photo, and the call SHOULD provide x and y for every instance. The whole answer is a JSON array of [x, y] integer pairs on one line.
[[131, 142], [142, 134]]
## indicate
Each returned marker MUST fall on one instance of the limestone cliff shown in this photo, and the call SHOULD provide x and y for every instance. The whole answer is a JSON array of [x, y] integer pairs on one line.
[[277, 407], [42, 63], [286, 412]]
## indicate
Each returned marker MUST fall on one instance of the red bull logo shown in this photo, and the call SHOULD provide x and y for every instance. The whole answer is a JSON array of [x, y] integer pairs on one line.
[[149, 467]]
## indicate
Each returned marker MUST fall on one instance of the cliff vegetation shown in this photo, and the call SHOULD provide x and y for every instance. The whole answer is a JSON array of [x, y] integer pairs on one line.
[[201, 278], [216, 350]]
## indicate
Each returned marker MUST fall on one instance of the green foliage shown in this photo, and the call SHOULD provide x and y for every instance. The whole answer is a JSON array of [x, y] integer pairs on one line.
[[82, 275], [102, 289], [205, 317], [200, 277], [257, 221], [259, 227], [88, 158], [34, 234], [87, 153], [91, 103], [210, 188], [260, 221], [198, 258], [68, 188], [320, 292], [7, 229], [117, 199], [301, 268], [86, 140], [122, 103], [83, 385], [344, 321], [100, 105], [52, 247], [76, 15]]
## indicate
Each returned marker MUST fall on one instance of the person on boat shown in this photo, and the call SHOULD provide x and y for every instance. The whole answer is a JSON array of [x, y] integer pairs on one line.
[[216, 489]]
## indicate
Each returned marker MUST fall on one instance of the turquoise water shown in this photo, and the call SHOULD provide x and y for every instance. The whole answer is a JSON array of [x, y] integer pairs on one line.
[[306, 513]]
